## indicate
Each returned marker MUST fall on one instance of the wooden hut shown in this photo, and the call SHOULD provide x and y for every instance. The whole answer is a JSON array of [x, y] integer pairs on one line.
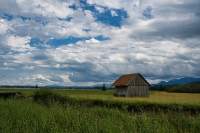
[[131, 85]]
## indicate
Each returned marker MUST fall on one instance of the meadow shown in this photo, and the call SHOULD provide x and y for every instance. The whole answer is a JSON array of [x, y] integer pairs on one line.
[[96, 111], [154, 97]]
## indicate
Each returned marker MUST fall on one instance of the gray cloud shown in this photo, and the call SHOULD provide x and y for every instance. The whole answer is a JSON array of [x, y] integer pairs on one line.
[[161, 47], [172, 20]]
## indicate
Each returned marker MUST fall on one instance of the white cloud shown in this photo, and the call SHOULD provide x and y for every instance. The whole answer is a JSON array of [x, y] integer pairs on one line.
[[115, 3], [114, 13], [165, 46], [65, 78], [18, 43], [100, 9], [47, 8], [108, 58], [3, 26], [44, 79], [92, 40]]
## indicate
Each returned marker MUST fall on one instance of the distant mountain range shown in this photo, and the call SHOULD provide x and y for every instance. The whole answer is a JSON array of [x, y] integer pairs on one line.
[[183, 80]]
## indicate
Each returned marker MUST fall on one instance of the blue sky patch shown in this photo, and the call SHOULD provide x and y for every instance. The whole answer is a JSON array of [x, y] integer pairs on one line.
[[25, 18], [87, 30], [147, 12], [65, 19], [41, 20], [105, 17], [56, 42], [67, 40], [102, 38], [6, 16], [10, 17], [36, 42]]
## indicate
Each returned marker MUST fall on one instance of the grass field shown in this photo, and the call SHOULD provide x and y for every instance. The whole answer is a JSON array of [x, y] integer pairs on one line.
[[93, 111], [155, 96], [24, 116]]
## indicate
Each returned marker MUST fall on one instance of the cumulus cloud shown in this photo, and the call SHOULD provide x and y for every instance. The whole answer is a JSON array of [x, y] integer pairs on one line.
[[115, 3], [18, 43], [159, 39], [3, 26], [47, 8]]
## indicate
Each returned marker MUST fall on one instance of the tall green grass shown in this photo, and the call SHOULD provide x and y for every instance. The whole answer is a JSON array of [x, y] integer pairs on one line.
[[47, 97], [49, 112], [25, 116]]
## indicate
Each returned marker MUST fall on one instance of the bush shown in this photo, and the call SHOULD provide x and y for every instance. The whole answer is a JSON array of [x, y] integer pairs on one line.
[[186, 88], [48, 97], [8, 95]]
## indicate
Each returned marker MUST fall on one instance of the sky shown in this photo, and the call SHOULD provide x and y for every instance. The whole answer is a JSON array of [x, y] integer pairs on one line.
[[89, 42]]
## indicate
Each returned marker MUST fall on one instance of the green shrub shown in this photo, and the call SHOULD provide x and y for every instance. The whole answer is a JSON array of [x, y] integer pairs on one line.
[[48, 97], [186, 88]]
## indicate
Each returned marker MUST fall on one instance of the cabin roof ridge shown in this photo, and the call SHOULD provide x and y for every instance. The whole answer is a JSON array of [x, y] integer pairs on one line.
[[125, 79]]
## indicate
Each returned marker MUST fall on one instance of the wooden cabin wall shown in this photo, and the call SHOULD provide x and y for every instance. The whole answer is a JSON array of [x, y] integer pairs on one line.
[[138, 91], [122, 91], [138, 87]]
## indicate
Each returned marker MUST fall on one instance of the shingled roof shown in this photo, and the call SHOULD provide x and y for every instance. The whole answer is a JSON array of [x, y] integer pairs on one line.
[[124, 79]]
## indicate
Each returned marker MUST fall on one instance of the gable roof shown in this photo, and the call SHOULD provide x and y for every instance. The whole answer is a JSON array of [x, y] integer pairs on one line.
[[124, 79]]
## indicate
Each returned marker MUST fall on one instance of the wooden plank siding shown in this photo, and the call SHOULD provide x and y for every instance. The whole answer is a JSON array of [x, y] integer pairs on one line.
[[137, 91], [121, 91]]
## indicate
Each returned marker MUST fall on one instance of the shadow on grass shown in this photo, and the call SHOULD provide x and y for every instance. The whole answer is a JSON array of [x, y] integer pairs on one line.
[[48, 97]]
